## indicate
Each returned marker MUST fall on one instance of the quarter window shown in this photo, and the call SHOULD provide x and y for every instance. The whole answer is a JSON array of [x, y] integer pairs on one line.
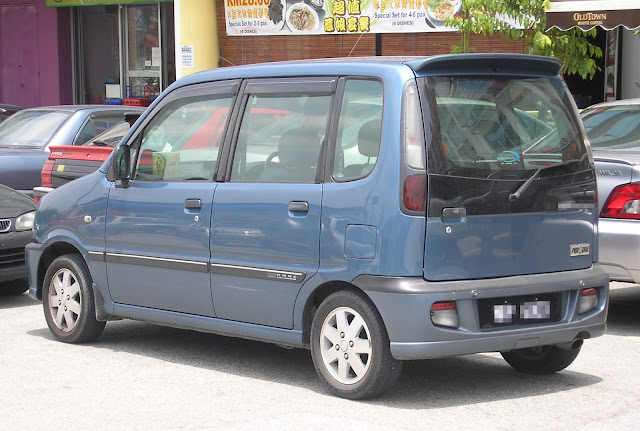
[[181, 143], [359, 127]]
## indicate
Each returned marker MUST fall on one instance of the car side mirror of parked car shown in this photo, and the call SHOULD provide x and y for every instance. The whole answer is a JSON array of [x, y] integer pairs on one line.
[[121, 166]]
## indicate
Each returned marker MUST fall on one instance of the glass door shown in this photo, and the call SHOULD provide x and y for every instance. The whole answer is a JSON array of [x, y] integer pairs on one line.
[[143, 66], [97, 53]]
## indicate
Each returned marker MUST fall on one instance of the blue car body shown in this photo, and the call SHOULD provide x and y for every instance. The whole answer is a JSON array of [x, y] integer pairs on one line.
[[256, 258]]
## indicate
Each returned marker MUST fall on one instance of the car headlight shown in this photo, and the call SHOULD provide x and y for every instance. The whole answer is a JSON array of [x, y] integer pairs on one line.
[[25, 221]]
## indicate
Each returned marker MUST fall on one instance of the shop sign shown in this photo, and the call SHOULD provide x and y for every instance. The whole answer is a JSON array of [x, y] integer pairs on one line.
[[286, 17], [586, 14], [68, 3]]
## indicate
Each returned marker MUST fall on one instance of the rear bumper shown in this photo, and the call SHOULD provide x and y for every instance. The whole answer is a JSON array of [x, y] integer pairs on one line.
[[39, 192], [496, 343], [619, 250], [405, 303]]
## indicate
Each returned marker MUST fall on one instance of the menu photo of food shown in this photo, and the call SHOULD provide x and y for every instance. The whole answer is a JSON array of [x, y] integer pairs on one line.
[[302, 17], [439, 10], [306, 17], [276, 13]]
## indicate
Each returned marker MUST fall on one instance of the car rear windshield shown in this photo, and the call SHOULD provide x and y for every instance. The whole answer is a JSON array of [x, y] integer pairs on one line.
[[493, 127], [613, 127], [31, 129]]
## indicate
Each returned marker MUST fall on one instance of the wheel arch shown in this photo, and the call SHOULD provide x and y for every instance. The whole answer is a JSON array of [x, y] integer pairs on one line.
[[320, 294], [50, 253]]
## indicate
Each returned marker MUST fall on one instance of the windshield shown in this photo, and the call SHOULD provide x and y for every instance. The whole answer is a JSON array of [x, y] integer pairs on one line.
[[502, 127], [613, 127], [31, 129]]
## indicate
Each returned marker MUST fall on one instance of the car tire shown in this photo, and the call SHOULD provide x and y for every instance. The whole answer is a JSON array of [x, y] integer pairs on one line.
[[14, 287], [68, 302], [350, 347], [540, 360]]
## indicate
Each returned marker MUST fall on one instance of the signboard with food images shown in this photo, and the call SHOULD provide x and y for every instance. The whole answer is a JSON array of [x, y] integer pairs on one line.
[[282, 17]]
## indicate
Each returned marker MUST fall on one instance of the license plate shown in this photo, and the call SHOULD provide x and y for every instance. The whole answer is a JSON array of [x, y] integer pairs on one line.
[[504, 313], [535, 310], [531, 310]]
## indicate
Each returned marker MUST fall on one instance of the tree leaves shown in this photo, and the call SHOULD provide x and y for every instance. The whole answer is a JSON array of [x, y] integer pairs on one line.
[[525, 20]]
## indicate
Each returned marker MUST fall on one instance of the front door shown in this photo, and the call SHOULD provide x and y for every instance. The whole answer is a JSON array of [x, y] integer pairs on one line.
[[266, 218], [158, 225]]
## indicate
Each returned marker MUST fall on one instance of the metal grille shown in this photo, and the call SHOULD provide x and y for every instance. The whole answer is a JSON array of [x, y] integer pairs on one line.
[[5, 225]]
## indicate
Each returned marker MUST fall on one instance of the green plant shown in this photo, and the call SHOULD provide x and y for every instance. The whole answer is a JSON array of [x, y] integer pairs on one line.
[[525, 20]]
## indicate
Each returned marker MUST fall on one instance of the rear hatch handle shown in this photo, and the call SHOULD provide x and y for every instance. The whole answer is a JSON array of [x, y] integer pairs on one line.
[[454, 214]]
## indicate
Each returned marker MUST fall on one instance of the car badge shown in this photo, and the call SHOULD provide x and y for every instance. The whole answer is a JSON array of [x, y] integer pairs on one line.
[[578, 249]]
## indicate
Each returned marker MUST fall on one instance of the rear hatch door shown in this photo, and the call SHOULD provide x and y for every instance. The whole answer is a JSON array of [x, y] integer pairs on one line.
[[511, 187]]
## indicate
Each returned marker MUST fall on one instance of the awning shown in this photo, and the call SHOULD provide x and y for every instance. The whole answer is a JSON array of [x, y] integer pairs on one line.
[[586, 14]]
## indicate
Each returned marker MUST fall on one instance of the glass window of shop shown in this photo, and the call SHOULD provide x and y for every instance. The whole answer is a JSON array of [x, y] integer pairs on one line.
[[123, 51]]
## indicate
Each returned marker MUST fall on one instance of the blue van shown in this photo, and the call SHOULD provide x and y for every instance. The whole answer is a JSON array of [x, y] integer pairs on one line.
[[372, 210]]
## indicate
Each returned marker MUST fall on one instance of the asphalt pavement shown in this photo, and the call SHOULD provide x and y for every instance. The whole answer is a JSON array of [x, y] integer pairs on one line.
[[139, 376]]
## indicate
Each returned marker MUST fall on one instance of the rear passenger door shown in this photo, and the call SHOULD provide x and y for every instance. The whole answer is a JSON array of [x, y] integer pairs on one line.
[[266, 215]]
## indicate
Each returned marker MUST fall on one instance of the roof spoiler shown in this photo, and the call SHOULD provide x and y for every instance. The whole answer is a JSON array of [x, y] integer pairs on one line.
[[487, 64]]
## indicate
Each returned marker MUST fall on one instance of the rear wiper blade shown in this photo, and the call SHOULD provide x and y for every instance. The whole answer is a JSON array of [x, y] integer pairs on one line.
[[536, 174]]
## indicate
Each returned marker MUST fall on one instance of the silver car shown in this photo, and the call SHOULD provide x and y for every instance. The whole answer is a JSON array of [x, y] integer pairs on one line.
[[614, 131]]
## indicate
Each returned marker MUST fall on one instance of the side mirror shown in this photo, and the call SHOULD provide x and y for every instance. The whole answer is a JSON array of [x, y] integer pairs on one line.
[[121, 166]]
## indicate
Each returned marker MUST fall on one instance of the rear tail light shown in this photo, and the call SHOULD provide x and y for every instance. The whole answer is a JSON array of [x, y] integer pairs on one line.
[[445, 314], [414, 182], [413, 133], [45, 175], [623, 203], [414, 192], [588, 300]]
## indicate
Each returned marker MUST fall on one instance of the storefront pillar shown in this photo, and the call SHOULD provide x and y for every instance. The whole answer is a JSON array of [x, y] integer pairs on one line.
[[197, 46]]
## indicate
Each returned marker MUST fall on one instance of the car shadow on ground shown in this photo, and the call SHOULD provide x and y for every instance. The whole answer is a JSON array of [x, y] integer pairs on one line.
[[624, 304], [11, 300], [423, 384]]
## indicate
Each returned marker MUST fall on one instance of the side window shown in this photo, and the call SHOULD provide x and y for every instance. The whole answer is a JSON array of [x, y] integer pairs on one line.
[[104, 122], [280, 138], [359, 127], [96, 125], [181, 143], [87, 132]]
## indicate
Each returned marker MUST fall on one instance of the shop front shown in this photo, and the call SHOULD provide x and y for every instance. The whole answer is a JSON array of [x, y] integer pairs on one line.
[[254, 31], [614, 21], [123, 51]]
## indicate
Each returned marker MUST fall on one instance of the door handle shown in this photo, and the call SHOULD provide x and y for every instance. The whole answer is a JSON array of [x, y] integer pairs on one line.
[[454, 214], [193, 204], [298, 207]]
